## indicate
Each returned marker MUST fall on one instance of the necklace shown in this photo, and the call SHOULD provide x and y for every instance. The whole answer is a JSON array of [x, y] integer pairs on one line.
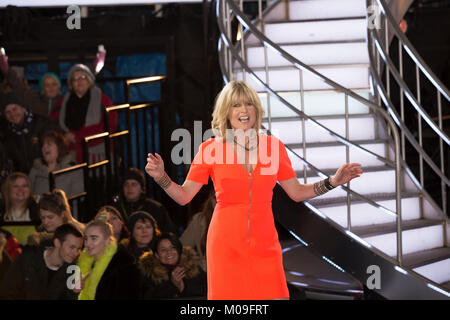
[[246, 148]]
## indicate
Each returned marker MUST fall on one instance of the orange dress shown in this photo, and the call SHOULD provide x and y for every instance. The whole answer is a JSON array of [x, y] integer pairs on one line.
[[244, 260]]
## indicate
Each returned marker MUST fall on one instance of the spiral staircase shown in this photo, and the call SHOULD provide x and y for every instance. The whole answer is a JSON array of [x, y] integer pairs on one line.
[[319, 68]]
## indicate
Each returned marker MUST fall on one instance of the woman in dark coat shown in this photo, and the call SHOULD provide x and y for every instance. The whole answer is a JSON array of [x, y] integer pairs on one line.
[[143, 232], [172, 271], [108, 272]]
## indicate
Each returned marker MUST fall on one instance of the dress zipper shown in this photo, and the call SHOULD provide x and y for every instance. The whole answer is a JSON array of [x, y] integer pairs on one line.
[[248, 210]]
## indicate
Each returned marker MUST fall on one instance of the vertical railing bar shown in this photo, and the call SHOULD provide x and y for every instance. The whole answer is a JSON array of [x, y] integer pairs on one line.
[[302, 107], [419, 124], [441, 151], [386, 34], [230, 61], [241, 30], [347, 160], [402, 97]]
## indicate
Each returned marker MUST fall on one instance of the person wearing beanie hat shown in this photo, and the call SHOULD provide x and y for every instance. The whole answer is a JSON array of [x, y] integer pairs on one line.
[[80, 113], [143, 230], [40, 102], [131, 190], [133, 198], [23, 132]]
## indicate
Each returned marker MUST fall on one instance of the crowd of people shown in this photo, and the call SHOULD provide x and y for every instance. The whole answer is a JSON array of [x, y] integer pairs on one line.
[[131, 249]]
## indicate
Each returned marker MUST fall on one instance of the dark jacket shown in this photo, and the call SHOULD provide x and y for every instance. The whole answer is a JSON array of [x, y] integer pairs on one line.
[[24, 148], [121, 280], [156, 209], [37, 102], [157, 284], [28, 279]]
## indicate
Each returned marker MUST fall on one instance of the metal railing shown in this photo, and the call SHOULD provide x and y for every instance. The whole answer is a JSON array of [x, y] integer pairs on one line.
[[387, 43], [230, 52]]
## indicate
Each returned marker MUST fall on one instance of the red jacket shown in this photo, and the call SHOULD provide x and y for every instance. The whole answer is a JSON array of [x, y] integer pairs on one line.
[[86, 131]]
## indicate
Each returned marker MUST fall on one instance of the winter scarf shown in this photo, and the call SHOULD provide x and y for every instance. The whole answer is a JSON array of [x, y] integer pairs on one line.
[[91, 110], [85, 263], [24, 128]]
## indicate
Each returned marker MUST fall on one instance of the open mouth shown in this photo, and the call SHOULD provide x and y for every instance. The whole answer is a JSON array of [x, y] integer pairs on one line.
[[244, 119]]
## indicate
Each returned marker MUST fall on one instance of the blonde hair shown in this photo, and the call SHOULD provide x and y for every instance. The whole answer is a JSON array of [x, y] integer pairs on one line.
[[234, 92], [105, 227], [6, 190]]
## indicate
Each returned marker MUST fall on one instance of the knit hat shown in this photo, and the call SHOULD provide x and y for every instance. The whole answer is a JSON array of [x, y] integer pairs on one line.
[[138, 215], [7, 99], [135, 174], [79, 67], [48, 74]]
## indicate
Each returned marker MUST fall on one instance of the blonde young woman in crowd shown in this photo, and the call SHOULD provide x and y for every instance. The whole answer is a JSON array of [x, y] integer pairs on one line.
[[108, 272]]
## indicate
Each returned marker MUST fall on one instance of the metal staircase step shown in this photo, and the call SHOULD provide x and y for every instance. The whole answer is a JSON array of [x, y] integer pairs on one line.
[[314, 55], [256, 45], [314, 20], [312, 173], [318, 153], [361, 127], [288, 78], [332, 143], [418, 259], [337, 201], [319, 117], [381, 229], [313, 9], [310, 273], [313, 31]]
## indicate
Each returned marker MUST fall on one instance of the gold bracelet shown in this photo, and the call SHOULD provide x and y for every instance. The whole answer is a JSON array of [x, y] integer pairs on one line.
[[164, 182], [320, 188]]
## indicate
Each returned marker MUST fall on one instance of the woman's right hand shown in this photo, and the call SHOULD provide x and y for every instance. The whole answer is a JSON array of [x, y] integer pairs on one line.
[[177, 277], [155, 166]]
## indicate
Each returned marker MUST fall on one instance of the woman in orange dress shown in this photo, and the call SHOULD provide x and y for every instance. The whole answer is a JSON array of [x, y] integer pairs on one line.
[[244, 259]]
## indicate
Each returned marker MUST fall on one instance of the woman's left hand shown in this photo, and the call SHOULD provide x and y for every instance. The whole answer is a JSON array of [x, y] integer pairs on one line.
[[346, 173]]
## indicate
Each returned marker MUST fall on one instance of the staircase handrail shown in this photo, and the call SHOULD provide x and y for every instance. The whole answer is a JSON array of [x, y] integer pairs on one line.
[[301, 66]]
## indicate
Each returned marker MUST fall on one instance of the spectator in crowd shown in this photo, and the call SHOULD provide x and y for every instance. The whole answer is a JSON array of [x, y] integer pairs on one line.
[[41, 273], [108, 272], [12, 246], [6, 164], [172, 271], [5, 259], [133, 198], [54, 211], [144, 230], [80, 112], [18, 206], [55, 156], [113, 217], [42, 101], [24, 131], [195, 234]]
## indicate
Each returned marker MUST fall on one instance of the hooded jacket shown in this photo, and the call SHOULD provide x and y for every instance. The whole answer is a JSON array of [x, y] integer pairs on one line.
[[71, 183], [157, 284]]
